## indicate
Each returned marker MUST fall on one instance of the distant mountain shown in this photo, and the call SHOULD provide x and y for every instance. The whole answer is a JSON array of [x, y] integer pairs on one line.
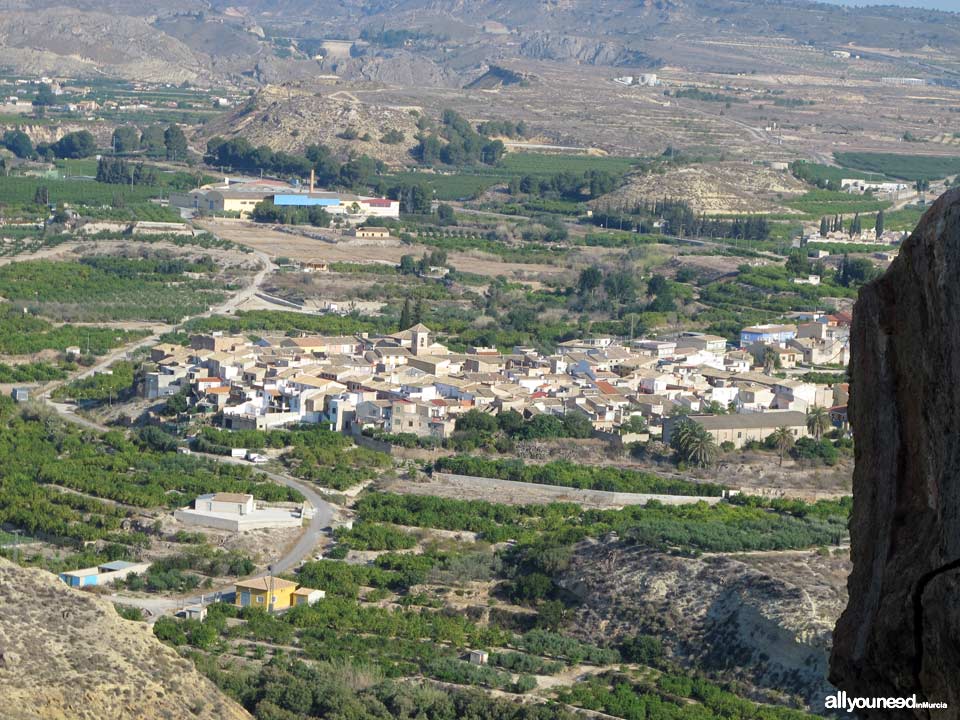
[[452, 42]]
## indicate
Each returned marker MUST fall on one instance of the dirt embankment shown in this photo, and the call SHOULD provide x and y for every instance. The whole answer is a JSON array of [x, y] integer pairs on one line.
[[67, 655], [764, 619]]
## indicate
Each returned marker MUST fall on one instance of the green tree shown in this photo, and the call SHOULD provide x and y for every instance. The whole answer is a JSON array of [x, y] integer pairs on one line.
[[175, 143], [589, 280], [824, 227], [699, 446], [818, 421], [44, 97], [878, 224], [551, 615], [445, 215], [18, 142], [126, 139], [79, 144], [406, 315], [152, 141], [782, 439], [41, 195]]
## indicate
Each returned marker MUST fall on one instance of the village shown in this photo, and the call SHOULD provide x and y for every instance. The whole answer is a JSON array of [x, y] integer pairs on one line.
[[408, 384]]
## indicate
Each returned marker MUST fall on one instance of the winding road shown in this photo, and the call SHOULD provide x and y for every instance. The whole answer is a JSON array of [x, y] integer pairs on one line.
[[323, 511]]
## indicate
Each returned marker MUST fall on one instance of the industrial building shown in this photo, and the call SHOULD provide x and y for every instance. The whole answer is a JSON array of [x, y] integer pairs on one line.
[[230, 197], [236, 512], [103, 574], [743, 428], [351, 207], [242, 197]]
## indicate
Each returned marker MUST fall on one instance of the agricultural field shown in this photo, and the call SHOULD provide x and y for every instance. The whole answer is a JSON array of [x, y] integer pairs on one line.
[[100, 289], [23, 191], [471, 182], [814, 173], [454, 588], [446, 187], [904, 167], [71, 485], [24, 334], [817, 203]]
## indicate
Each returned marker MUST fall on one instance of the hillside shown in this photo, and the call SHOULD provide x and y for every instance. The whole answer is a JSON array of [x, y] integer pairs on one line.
[[69, 41], [763, 619], [440, 43], [290, 119], [66, 654]]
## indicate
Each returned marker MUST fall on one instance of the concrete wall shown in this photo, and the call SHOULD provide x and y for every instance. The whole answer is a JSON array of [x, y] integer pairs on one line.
[[238, 524], [554, 493]]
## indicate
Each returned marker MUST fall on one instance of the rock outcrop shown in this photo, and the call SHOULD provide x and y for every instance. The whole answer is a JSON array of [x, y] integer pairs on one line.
[[67, 655], [900, 633], [760, 619]]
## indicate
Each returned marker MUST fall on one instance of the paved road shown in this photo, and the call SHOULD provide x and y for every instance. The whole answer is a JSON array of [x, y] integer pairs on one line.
[[301, 551], [323, 511], [225, 308]]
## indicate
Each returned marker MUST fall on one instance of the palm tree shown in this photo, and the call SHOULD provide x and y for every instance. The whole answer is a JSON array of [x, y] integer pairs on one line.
[[783, 439], [701, 449], [818, 421], [681, 434]]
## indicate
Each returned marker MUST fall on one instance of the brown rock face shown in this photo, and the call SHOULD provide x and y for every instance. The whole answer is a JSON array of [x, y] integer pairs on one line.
[[67, 655], [900, 633]]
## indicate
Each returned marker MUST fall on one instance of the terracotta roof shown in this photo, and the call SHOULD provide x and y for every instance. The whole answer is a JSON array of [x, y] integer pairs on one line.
[[265, 583], [606, 388]]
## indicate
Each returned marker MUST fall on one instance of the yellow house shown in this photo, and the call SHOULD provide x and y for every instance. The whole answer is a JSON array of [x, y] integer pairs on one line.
[[273, 593]]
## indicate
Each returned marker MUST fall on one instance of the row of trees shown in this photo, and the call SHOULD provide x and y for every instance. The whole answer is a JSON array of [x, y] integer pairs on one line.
[[266, 211], [678, 218], [117, 171], [836, 224], [622, 286], [155, 141], [567, 474], [568, 185]]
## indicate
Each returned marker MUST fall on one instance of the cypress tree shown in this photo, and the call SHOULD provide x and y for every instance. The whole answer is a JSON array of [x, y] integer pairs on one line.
[[878, 225]]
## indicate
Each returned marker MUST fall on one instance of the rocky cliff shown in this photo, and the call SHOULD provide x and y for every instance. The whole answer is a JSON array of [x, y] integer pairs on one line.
[[900, 633], [67, 655], [760, 619]]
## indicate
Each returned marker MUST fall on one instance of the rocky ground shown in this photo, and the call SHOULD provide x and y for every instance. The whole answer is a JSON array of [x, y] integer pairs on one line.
[[764, 619], [289, 119], [67, 655], [712, 188]]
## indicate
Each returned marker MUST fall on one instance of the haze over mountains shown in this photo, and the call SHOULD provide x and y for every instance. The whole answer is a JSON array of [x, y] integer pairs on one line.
[[271, 40]]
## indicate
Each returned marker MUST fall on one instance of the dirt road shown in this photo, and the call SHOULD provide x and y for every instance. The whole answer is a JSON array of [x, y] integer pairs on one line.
[[299, 247]]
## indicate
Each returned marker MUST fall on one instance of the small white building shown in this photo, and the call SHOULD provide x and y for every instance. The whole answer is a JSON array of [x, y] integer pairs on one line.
[[236, 512], [225, 503], [479, 657]]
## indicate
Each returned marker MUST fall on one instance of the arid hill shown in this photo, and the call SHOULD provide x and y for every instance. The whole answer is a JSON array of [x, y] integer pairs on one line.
[[67, 655], [290, 119], [762, 619]]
